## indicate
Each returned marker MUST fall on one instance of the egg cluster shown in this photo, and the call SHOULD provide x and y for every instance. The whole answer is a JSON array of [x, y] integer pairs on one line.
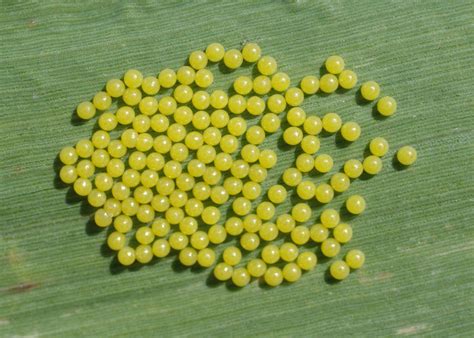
[[184, 156]]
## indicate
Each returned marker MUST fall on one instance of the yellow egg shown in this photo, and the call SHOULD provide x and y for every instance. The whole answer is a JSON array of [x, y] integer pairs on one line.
[[206, 257], [167, 78], [313, 125], [223, 271], [339, 270], [330, 218], [355, 204], [353, 168], [280, 81], [334, 64], [350, 131], [328, 83], [240, 277], [249, 241], [256, 267], [233, 59], [198, 60], [342, 233], [288, 251], [126, 256], [347, 79], [340, 182], [355, 259], [251, 52], [406, 155], [370, 90], [294, 96], [387, 106], [319, 233], [273, 276], [291, 272], [188, 256], [243, 85], [378, 146], [267, 65], [330, 247], [309, 84], [161, 248], [372, 165], [215, 52], [262, 85], [143, 254], [331, 122], [307, 260], [232, 255]]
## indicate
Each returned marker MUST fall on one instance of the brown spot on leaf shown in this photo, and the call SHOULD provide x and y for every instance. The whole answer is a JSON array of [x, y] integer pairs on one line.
[[18, 169], [32, 23], [14, 258], [22, 287], [380, 277], [412, 329]]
